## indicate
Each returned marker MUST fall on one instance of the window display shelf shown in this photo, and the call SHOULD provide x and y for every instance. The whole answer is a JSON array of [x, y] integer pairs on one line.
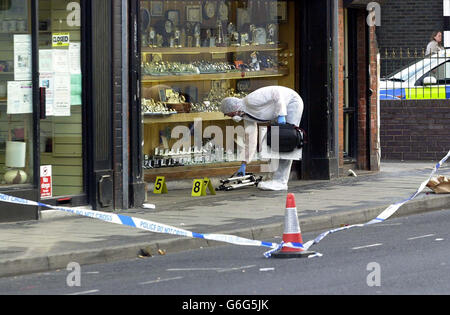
[[185, 117], [225, 169], [213, 50], [217, 76]]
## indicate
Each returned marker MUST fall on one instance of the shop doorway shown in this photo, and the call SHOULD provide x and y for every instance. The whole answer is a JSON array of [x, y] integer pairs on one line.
[[60, 79], [41, 106]]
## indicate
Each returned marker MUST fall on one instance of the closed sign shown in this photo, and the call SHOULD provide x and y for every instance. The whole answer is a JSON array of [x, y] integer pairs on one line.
[[60, 39]]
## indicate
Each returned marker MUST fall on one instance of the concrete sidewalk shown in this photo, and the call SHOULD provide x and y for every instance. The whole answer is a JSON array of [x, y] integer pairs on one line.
[[57, 240]]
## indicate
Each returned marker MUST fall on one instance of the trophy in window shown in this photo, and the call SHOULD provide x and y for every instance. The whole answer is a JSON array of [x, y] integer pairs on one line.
[[234, 39], [254, 64], [159, 40], [210, 40], [152, 38], [182, 37], [244, 39], [252, 30], [177, 38], [220, 38], [168, 32], [230, 30], [272, 33], [197, 31]]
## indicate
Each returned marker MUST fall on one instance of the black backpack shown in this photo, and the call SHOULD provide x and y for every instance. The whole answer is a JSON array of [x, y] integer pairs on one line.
[[290, 137]]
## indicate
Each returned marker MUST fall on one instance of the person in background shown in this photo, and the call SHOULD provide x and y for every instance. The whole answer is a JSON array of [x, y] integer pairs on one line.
[[435, 44], [271, 103]]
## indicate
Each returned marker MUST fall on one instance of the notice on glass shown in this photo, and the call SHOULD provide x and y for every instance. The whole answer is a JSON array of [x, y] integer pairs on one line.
[[75, 58], [22, 57], [46, 80], [61, 39], [45, 60], [62, 94], [76, 89], [60, 60], [20, 97]]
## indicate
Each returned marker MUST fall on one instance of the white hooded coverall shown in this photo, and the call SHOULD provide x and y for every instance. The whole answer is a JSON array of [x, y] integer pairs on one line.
[[267, 103]]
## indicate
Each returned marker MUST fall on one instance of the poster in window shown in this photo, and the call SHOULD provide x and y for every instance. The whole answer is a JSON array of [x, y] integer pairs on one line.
[[62, 94], [45, 60], [61, 61], [20, 97], [46, 80], [75, 58], [22, 57]]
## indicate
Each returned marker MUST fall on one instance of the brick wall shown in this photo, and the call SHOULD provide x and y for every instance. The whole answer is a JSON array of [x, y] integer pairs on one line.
[[415, 130], [407, 24], [362, 160], [374, 146]]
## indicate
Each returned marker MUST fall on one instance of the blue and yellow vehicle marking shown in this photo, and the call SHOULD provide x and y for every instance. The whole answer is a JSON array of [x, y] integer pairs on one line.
[[416, 93]]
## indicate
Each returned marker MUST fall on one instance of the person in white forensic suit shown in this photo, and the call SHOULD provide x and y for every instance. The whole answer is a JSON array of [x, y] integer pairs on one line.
[[272, 103]]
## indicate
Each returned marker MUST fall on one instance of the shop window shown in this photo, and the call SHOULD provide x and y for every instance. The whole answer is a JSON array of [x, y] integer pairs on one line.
[[195, 53], [16, 101]]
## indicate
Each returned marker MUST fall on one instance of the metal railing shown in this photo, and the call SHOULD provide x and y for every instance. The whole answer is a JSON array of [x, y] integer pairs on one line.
[[411, 74]]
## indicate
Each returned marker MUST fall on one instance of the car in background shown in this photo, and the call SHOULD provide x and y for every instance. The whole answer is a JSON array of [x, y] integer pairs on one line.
[[428, 78]]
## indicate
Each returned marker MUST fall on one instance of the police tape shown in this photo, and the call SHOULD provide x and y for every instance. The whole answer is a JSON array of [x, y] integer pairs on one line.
[[155, 227], [147, 225], [386, 214]]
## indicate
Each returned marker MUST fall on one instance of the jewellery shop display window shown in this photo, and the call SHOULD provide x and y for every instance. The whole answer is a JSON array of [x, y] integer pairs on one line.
[[194, 54]]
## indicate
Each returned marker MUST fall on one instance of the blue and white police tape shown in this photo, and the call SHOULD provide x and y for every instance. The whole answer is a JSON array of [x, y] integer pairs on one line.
[[148, 225], [231, 239], [386, 214]]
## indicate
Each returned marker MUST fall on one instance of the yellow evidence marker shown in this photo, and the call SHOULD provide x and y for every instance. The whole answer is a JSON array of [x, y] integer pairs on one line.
[[160, 186]]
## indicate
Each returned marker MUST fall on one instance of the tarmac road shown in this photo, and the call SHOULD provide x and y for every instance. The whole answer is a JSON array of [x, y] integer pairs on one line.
[[406, 255]]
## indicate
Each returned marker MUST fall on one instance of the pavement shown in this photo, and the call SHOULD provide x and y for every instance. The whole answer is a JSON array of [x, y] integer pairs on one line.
[[59, 238]]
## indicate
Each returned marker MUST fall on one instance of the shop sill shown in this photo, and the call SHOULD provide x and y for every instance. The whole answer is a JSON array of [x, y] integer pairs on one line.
[[199, 171], [185, 117]]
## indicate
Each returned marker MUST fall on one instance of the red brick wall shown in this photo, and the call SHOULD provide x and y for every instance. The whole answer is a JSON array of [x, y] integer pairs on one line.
[[415, 129], [362, 160], [374, 158]]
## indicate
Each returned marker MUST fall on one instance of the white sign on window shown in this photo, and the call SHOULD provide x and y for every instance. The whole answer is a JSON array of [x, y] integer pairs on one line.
[[446, 7], [447, 39], [20, 97], [22, 57]]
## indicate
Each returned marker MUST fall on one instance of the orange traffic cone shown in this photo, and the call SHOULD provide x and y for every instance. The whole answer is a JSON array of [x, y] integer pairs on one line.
[[292, 233]]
